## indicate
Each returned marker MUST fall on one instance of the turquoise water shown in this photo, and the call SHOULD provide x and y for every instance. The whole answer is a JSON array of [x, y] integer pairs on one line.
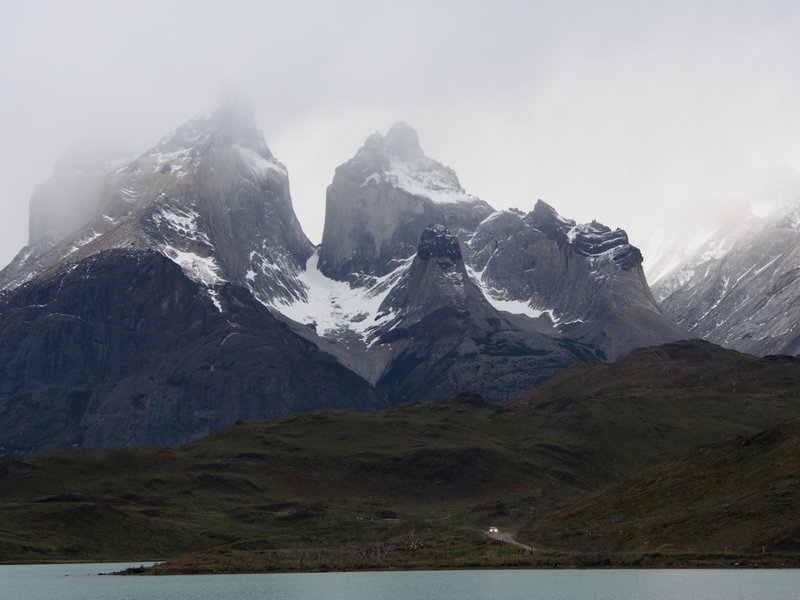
[[81, 582]]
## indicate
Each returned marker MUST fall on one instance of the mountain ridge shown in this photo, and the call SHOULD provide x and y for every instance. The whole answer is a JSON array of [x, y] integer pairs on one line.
[[740, 289], [407, 317]]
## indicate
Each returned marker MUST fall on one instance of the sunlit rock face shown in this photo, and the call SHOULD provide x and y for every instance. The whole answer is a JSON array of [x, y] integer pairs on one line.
[[742, 288]]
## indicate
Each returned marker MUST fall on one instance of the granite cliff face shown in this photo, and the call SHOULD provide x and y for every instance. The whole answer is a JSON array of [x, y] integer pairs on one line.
[[742, 289], [210, 196], [586, 277], [123, 348], [96, 353], [380, 201], [191, 298], [445, 336]]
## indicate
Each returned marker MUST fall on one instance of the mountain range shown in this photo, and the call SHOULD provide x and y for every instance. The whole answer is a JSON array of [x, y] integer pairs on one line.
[[475, 367], [417, 291]]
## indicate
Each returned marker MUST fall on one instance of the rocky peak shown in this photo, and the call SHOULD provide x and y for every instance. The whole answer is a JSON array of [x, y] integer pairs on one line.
[[402, 142], [230, 123], [444, 334], [588, 239], [210, 196], [596, 239], [545, 218], [382, 198], [437, 242], [436, 279]]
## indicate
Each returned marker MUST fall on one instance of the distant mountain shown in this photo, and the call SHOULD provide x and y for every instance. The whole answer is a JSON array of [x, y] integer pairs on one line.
[[148, 324], [580, 281], [418, 291], [587, 278], [741, 289], [446, 337], [380, 201], [211, 197]]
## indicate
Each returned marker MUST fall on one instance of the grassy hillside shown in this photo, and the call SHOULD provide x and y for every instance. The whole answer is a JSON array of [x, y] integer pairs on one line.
[[737, 497], [611, 420], [411, 485]]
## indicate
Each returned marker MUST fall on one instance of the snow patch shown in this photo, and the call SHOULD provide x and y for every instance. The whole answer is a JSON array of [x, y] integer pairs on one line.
[[499, 300], [80, 243], [184, 221], [176, 161], [573, 233], [332, 306], [202, 269], [374, 178], [258, 165], [129, 195], [428, 179]]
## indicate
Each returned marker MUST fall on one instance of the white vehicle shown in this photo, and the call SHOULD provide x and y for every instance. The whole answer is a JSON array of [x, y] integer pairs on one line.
[[493, 530]]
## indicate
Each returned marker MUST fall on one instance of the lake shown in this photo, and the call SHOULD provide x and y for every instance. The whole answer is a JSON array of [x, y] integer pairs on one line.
[[81, 582]]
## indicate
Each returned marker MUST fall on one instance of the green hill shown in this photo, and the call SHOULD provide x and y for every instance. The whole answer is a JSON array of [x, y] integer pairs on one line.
[[737, 497], [412, 485]]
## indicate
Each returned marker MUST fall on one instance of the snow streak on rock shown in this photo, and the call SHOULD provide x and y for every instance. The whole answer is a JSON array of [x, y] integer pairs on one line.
[[331, 306]]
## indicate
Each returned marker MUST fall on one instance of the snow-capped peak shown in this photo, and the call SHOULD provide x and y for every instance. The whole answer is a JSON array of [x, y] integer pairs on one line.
[[398, 160]]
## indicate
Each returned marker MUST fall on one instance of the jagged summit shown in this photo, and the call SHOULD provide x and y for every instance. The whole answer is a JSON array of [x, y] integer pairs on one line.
[[402, 142], [397, 160], [546, 219], [211, 197], [380, 201], [444, 334], [436, 241], [231, 122], [587, 277], [437, 278], [588, 239]]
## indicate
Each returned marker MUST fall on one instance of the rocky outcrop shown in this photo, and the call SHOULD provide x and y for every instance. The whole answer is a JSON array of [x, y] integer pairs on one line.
[[445, 336], [588, 277], [742, 289], [123, 348], [382, 199]]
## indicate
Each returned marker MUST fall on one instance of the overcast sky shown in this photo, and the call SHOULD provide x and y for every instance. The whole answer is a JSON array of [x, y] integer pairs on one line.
[[633, 113]]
